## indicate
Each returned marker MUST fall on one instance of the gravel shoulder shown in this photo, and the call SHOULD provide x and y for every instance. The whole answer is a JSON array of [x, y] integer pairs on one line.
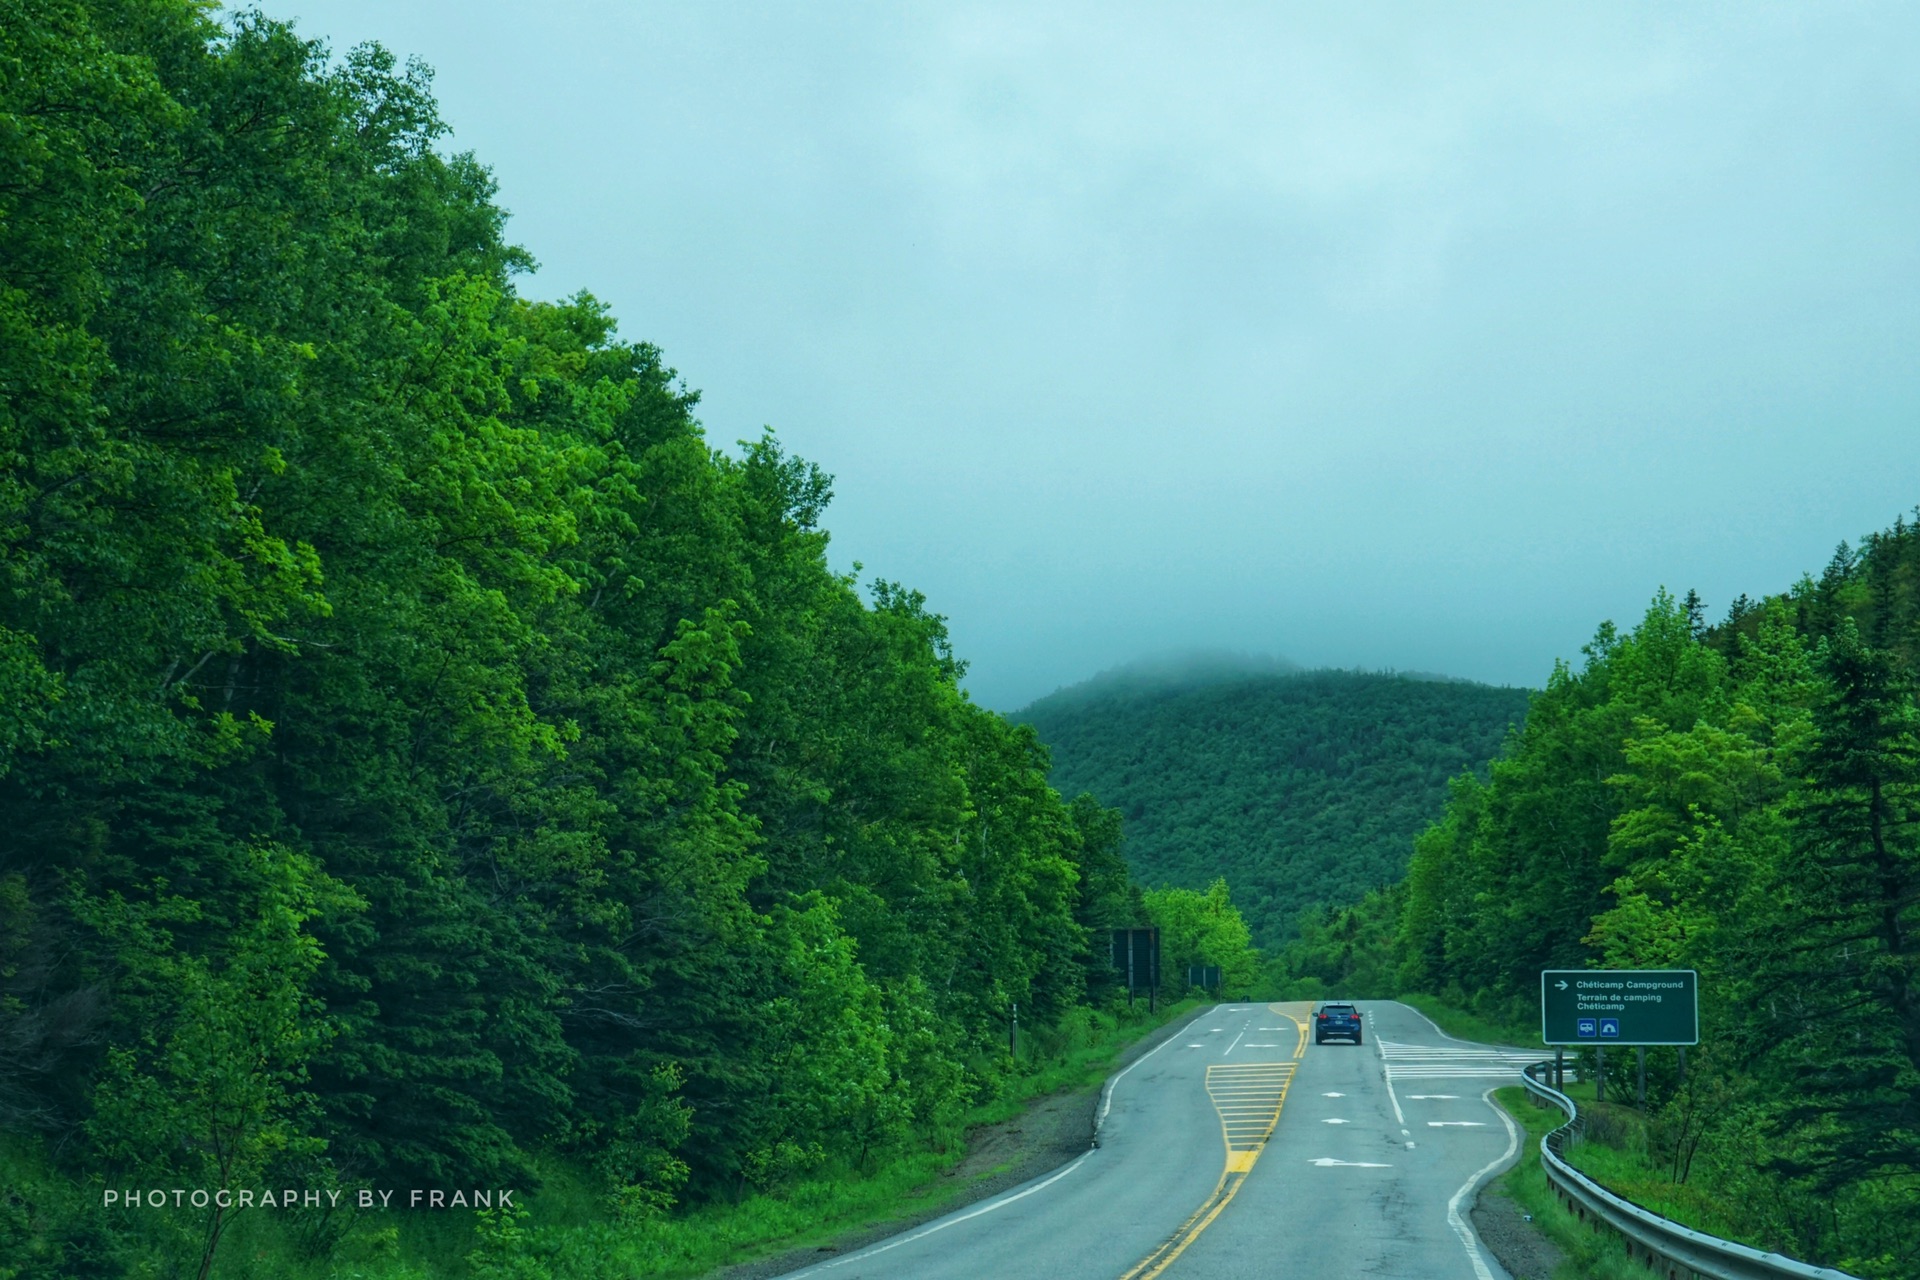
[[1522, 1248], [1049, 1132]]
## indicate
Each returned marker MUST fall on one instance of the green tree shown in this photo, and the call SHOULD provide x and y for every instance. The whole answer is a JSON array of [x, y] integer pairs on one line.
[[1203, 929], [1849, 951], [216, 1100]]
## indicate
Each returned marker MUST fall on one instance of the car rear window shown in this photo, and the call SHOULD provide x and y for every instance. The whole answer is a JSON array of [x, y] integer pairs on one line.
[[1344, 1010]]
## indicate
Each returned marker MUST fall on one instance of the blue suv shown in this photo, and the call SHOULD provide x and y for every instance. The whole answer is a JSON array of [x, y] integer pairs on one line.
[[1336, 1021]]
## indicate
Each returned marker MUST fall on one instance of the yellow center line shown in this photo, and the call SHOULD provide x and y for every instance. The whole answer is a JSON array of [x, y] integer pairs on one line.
[[1254, 1093]]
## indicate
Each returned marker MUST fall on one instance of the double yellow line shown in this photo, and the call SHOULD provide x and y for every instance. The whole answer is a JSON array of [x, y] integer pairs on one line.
[[1247, 1096]]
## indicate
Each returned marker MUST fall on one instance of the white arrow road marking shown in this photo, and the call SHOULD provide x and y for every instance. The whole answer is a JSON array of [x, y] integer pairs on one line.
[[1456, 1124], [1328, 1162]]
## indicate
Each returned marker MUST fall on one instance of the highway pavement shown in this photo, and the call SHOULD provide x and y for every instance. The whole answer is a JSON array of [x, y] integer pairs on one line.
[[1239, 1148]]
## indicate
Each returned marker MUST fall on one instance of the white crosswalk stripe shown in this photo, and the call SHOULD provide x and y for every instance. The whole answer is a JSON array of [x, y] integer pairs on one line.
[[1449, 1062]]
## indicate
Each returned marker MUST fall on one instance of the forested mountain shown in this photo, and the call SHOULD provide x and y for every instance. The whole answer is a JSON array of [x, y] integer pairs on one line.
[[1742, 799], [421, 750], [1300, 788]]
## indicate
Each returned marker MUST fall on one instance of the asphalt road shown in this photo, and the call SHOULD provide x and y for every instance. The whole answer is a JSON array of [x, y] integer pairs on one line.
[[1239, 1148]]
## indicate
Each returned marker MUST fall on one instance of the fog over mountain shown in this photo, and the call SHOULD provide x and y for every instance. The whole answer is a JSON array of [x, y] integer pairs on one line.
[[1396, 337]]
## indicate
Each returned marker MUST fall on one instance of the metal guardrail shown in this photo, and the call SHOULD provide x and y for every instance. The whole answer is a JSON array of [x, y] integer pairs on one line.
[[1663, 1244]]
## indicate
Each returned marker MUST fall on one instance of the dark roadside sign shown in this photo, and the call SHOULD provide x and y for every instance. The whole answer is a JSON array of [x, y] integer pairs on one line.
[[1619, 1006]]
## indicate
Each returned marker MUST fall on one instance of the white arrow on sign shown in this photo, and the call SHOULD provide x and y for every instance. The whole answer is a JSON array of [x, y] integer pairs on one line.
[[1561, 985]]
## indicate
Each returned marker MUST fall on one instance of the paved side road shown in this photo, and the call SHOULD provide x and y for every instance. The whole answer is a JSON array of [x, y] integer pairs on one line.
[[1238, 1148]]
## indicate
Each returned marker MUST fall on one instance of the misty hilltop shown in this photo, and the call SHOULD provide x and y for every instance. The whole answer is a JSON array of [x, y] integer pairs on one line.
[[1300, 787], [1170, 670]]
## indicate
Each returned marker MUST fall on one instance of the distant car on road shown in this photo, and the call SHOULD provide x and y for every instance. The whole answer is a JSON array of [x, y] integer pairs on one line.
[[1336, 1021]]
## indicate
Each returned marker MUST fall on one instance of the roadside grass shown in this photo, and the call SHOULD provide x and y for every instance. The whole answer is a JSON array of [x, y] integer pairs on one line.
[[819, 1208], [1628, 1174], [1592, 1254], [1617, 1154], [566, 1232], [1079, 1060]]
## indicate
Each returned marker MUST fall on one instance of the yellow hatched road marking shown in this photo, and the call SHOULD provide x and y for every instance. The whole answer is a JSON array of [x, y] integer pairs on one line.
[[1247, 1096]]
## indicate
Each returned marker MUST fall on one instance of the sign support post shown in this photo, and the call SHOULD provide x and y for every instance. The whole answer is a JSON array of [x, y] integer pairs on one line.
[[1142, 963]]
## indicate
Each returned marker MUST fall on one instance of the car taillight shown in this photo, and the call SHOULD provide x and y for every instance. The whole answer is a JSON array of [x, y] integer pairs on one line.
[[1323, 1017]]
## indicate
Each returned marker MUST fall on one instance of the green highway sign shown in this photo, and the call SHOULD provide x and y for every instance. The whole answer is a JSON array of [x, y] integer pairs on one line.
[[1619, 1006]]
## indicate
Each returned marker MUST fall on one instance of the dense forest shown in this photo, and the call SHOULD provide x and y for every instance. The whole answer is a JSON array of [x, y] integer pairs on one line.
[[1302, 788], [1742, 799], [421, 749]]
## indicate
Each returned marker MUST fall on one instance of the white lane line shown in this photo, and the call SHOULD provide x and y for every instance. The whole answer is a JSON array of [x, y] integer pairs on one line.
[[1236, 1041], [1387, 1074], [1460, 1225], [1328, 1162], [1106, 1100], [1333, 1122], [1333, 1095], [1433, 1097], [942, 1225], [1456, 1124]]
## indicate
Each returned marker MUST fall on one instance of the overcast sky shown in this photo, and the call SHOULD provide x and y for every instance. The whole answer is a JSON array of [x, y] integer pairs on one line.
[[1422, 337]]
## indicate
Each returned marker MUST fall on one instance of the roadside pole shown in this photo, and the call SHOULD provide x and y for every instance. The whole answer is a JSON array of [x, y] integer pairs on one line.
[[1600, 1076], [1640, 1099]]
